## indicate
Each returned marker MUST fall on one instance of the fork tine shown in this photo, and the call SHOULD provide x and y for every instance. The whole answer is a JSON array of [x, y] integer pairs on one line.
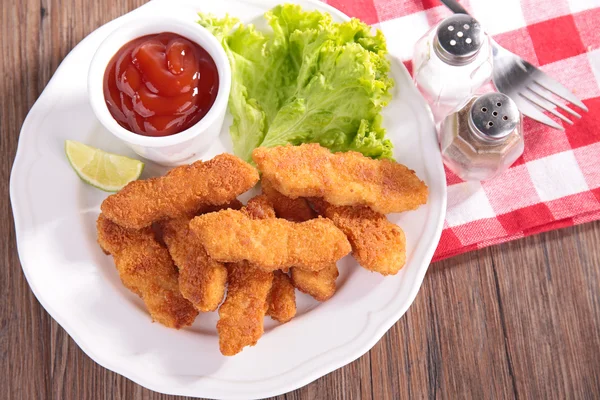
[[529, 109], [545, 107], [538, 100], [553, 86], [556, 103]]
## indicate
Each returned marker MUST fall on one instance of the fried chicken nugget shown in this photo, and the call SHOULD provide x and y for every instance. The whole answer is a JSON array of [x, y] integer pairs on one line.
[[281, 302], [377, 244], [270, 244], [202, 280], [318, 284], [259, 207], [181, 192], [146, 269], [342, 179], [321, 285], [241, 316], [282, 298], [297, 210]]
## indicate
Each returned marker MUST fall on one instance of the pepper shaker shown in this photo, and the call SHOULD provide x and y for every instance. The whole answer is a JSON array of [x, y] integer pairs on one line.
[[483, 138], [451, 62]]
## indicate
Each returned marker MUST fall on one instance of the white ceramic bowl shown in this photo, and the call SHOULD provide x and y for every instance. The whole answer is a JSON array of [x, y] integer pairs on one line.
[[185, 146]]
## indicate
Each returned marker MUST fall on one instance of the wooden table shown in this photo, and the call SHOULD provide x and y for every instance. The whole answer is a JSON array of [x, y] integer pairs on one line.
[[517, 320]]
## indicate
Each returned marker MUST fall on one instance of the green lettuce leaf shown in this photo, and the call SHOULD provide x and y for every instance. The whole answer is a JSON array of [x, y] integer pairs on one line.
[[309, 80]]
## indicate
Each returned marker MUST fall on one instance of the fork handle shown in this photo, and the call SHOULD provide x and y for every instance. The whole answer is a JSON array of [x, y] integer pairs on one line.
[[454, 6]]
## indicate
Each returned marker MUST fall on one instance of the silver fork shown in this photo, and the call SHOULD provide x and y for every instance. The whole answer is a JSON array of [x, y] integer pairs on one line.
[[531, 89]]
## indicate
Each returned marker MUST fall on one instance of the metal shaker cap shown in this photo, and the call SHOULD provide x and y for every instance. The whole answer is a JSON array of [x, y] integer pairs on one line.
[[493, 116], [458, 39]]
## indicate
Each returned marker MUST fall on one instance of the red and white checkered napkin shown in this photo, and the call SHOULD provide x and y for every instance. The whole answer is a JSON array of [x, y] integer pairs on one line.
[[556, 183]]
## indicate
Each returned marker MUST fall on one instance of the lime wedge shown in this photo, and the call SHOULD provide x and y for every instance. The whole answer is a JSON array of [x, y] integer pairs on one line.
[[106, 171]]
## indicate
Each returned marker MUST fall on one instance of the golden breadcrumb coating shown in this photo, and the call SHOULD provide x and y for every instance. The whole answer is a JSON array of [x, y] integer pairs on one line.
[[342, 179], [202, 280], [282, 298], [377, 244], [181, 192], [297, 210], [270, 244], [319, 284], [146, 269], [259, 207], [242, 314]]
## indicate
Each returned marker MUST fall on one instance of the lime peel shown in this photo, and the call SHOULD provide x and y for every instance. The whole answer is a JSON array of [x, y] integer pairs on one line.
[[105, 171]]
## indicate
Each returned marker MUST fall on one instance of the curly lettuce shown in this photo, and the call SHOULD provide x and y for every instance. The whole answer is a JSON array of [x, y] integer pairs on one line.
[[308, 80]]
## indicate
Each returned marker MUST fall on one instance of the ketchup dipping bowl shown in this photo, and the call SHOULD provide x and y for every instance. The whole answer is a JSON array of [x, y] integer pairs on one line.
[[177, 148]]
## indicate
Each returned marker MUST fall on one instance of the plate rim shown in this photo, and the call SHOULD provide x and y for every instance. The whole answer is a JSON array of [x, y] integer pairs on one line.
[[281, 385]]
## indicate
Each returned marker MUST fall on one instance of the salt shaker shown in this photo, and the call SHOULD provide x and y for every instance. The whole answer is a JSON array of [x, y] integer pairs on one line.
[[483, 138], [451, 62]]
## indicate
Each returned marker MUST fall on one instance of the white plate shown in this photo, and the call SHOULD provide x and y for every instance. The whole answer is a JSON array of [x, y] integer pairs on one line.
[[78, 285]]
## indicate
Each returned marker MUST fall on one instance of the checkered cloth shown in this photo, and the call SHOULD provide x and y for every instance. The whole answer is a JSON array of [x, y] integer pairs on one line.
[[556, 183]]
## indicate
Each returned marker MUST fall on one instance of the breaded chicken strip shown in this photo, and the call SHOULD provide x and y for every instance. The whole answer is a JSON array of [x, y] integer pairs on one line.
[[202, 280], [342, 179], [377, 244], [281, 303], [241, 316], [259, 207], [319, 284], [146, 269], [282, 298], [297, 210], [270, 244], [181, 192]]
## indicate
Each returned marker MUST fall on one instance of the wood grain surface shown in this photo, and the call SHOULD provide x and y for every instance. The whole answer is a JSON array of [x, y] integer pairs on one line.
[[520, 320]]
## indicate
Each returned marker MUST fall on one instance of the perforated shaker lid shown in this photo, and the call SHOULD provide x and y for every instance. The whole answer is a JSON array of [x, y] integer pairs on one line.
[[458, 39], [493, 116]]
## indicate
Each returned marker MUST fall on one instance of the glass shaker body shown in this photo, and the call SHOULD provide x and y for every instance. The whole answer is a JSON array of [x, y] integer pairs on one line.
[[475, 150], [451, 62]]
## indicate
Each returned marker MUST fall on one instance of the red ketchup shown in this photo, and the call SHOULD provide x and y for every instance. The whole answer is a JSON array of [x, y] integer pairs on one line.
[[160, 85]]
